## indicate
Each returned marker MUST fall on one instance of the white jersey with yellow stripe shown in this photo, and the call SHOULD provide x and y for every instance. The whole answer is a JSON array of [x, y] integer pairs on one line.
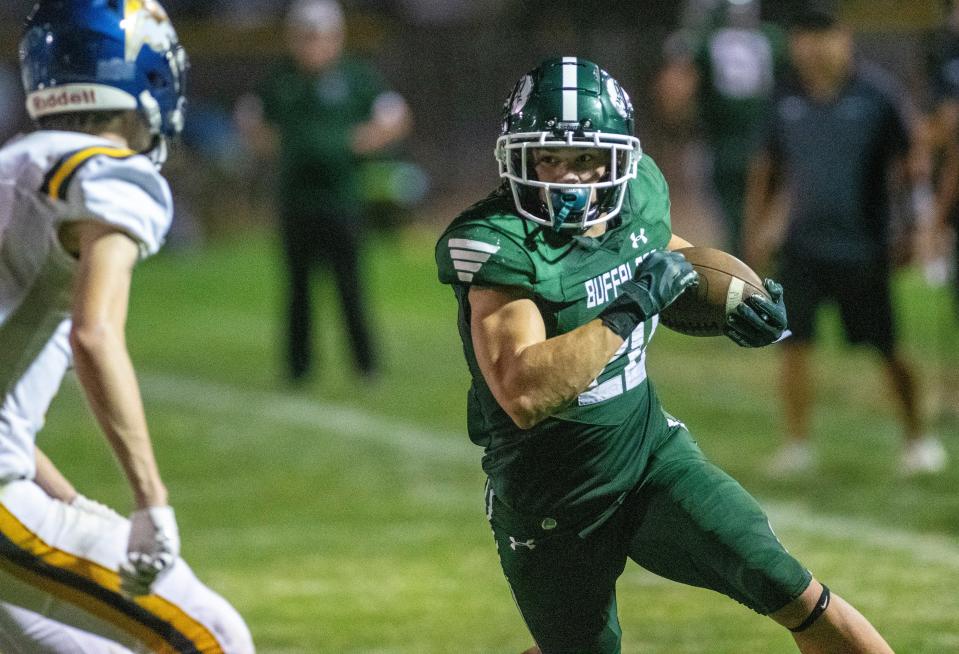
[[48, 179]]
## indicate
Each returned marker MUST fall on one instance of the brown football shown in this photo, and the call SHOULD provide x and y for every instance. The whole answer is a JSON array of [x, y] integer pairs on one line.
[[724, 282]]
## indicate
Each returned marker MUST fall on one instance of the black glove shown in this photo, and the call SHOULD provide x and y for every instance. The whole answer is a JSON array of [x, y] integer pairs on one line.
[[757, 321], [659, 280]]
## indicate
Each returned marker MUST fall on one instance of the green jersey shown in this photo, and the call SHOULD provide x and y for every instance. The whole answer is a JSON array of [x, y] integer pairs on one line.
[[314, 116], [583, 459], [739, 69]]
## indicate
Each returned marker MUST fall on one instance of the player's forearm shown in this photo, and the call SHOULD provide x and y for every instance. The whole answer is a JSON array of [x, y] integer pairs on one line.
[[51, 480], [106, 374], [677, 243], [545, 377]]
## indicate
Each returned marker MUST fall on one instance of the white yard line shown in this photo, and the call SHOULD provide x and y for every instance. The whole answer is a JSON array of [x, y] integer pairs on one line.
[[924, 548], [454, 447], [309, 413]]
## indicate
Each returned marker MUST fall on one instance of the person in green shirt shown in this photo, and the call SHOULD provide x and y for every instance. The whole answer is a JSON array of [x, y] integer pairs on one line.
[[559, 276], [725, 70], [323, 111]]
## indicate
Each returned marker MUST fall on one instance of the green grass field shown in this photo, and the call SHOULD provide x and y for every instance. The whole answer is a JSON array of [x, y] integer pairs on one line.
[[343, 518]]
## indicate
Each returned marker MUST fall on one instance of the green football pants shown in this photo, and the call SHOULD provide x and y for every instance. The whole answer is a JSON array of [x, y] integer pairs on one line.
[[686, 520]]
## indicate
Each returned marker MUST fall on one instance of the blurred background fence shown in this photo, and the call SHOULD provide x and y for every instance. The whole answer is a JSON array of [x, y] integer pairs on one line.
[[454, 60]]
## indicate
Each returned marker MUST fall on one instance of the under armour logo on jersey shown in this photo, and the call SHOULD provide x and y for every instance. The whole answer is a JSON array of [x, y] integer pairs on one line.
[[529, 544], [637, 239]]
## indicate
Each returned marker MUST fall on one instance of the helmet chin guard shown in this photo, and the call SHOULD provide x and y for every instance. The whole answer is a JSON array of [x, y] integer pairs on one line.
[[567, 103]]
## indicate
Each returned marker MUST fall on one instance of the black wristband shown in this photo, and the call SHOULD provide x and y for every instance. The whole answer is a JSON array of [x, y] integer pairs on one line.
[[821, 605], [622, 316]]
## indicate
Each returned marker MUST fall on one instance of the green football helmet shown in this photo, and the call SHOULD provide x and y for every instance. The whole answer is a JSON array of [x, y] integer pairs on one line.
[[567, 102]]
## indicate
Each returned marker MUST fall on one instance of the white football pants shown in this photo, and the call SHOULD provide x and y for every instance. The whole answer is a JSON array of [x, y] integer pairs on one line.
[[60, 590], [26, 632]]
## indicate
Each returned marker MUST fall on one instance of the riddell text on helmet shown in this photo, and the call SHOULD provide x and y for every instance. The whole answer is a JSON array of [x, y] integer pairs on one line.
[[85, 98]]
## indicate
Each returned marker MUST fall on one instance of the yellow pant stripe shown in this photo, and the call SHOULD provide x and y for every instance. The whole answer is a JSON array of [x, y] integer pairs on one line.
[[42, 563]]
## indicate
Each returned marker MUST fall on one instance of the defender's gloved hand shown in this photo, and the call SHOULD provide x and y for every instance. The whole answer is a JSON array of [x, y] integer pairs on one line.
[[153, 547], [758, 321], [659, 280]]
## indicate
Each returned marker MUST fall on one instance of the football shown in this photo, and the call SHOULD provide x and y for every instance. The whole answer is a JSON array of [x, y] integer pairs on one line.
[[724, 282]]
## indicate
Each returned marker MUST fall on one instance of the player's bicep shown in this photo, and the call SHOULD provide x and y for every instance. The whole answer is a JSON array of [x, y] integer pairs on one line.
[[504, 322], [677, 243], [106, 257]]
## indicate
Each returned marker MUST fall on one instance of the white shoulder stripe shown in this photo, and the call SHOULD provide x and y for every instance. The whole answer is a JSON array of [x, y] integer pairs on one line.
[[470, 244], [469, 255], [471, 266], [465, 276], [672, 422]]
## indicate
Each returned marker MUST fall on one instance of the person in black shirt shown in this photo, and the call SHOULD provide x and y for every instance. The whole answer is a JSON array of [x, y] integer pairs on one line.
[[839, 142]]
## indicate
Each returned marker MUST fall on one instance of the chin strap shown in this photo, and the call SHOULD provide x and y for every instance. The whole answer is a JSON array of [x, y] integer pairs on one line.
[[157, 152], [568, 200]]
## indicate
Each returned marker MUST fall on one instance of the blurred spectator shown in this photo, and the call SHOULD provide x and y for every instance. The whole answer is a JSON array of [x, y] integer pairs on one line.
[[724, 62], [323, 112], [244, 12], [423, 12], [839, 141], [12, 115], [937, 162], [210, 143]]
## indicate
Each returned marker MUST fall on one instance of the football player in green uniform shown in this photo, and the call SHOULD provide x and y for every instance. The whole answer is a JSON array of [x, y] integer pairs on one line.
[[559, 275]]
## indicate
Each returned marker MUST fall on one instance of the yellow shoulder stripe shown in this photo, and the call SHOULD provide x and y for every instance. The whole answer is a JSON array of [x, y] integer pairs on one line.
[[59, 176]]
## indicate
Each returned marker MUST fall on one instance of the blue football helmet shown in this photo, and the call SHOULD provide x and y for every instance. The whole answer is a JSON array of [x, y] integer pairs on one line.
[[105, 55]]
